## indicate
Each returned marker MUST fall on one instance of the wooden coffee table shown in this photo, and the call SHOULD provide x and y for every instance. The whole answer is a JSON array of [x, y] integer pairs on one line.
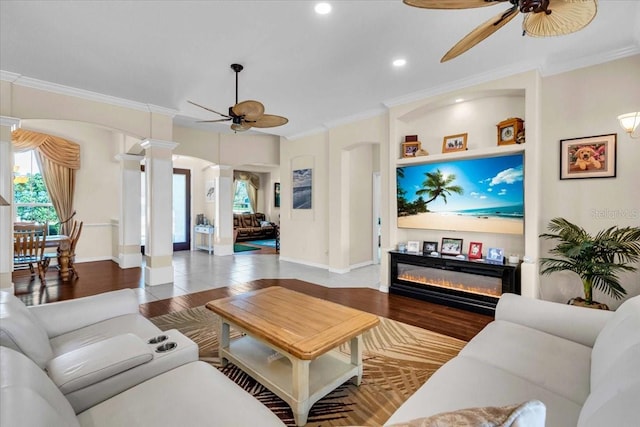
[[289, 341]]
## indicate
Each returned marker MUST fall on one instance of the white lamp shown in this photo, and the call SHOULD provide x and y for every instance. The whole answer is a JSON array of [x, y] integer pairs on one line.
[[629, 122]]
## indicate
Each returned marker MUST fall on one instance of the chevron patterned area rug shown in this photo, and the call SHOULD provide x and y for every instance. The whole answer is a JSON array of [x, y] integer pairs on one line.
[[398, 358]]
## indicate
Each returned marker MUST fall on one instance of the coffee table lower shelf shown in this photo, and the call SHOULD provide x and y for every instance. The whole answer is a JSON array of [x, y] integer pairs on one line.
[[317, 377]]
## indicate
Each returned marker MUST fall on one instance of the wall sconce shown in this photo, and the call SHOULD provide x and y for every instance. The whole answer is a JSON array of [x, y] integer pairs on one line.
[[3, 202], [629, 122]]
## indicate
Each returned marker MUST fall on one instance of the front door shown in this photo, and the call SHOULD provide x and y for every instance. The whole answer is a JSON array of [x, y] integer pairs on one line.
[[181, 209]]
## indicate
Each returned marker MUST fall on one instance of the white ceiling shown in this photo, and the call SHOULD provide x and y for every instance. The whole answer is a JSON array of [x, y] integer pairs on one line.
[[316, 70]]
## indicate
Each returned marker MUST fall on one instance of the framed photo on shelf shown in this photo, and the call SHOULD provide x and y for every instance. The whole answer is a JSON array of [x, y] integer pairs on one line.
[[410, 149], [495, 255], [451, 246], [413, 246], [475, 250], [453, 143], [428, 247], [588, 157]]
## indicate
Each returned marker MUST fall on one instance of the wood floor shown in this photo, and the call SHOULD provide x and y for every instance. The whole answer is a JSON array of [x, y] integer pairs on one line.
[[103, 276]]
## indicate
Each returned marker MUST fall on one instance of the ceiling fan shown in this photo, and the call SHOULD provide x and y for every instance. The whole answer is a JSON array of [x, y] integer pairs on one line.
[[542, 18], [246, 114]]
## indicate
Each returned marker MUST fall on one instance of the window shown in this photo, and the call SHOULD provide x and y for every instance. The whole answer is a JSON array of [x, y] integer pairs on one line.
[[30, 195], [241, 198]]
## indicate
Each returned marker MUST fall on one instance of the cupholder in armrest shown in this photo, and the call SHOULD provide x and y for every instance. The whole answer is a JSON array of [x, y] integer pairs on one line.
[[168, 346], [158, 339]]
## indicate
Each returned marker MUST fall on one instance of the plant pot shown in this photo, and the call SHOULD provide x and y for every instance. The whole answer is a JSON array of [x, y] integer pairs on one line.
[[581, 302]]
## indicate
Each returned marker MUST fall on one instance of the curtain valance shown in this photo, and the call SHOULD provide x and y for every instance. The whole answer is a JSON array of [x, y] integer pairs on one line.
[[249, 177], [58, 150]]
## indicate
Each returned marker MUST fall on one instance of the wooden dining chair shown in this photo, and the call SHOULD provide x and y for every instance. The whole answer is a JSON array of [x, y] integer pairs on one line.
[[28, 250]]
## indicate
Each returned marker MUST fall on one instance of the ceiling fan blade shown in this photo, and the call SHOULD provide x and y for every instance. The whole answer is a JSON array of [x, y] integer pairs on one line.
[[567, 16], [269, 121], [480, 33], [213, 121], [250, 110], [208, 109], [450, 4]]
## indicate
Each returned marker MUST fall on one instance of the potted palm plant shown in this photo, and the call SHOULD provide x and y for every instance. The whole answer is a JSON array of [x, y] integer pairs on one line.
[[596, 259]]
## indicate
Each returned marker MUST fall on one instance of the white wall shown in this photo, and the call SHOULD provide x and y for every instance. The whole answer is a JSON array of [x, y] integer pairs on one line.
[[585, 103], [96, 198]]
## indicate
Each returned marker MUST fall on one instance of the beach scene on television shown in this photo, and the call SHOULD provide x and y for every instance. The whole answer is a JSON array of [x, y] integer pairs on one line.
[[482, 195]]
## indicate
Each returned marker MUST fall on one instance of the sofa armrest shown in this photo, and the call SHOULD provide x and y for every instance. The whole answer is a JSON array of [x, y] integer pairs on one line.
[[66, 316], [96, 362], [578, 324]]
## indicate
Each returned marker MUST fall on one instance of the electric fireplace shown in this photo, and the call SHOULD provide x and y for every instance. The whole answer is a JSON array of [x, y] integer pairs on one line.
[[470, 285]]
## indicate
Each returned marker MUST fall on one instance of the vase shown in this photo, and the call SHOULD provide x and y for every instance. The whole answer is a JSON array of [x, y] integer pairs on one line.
[[581, 302]]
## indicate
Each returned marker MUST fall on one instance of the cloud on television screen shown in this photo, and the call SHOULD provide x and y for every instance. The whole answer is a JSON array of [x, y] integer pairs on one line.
[[508, 176]]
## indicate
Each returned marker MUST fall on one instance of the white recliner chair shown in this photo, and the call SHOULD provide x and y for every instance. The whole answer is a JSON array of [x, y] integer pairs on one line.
[[95, 347]]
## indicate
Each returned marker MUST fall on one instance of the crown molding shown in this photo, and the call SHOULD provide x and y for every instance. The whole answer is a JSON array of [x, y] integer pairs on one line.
[[310, 132], [558, 67], [375, 112], [32, 83], [474, 80]]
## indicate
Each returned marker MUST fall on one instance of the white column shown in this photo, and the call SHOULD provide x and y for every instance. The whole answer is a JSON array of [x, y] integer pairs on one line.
[[159, 211], [129, 230], [223, 223], [7, 125]]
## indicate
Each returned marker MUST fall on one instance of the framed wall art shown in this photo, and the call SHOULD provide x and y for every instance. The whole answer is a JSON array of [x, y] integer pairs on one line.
[[453, 143], [588, 157], [210, 191], [276, 194], [451, 246], [302, 188]]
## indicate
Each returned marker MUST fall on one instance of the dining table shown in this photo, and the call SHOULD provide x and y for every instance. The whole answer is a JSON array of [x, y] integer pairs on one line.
[[63, 245]]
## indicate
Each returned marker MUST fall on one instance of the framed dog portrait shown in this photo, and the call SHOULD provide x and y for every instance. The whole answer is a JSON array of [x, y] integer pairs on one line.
[[453, 143], [588, 157]]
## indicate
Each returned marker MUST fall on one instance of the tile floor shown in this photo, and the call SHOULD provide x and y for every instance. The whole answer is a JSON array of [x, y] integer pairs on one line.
[[196, 271]]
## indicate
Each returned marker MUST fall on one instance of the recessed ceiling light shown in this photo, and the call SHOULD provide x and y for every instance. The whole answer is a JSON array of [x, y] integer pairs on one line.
[[322, 8], [459, 99], [399, 62]]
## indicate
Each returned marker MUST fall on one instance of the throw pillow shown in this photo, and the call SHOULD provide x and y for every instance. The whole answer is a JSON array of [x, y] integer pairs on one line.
[[528, 414], [265, 224]]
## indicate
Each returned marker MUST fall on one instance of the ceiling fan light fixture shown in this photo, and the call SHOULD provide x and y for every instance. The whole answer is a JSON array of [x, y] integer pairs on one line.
[[238, 127]]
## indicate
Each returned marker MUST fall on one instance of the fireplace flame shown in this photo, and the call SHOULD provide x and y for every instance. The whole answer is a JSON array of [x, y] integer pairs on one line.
[[443, 283]]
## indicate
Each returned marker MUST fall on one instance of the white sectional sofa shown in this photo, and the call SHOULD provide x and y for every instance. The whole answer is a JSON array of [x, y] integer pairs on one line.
[[582, 364], [96, 361], [194, 394]]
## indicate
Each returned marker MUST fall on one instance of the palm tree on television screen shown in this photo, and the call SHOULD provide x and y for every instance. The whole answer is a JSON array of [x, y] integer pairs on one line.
[[437, 185]]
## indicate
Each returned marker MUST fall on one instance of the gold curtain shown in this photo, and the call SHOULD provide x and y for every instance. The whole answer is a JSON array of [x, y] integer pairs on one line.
[[58, 159], [253, 184]]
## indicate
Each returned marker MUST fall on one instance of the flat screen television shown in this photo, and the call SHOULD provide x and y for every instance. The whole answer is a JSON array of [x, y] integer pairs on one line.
[[481, 194]]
